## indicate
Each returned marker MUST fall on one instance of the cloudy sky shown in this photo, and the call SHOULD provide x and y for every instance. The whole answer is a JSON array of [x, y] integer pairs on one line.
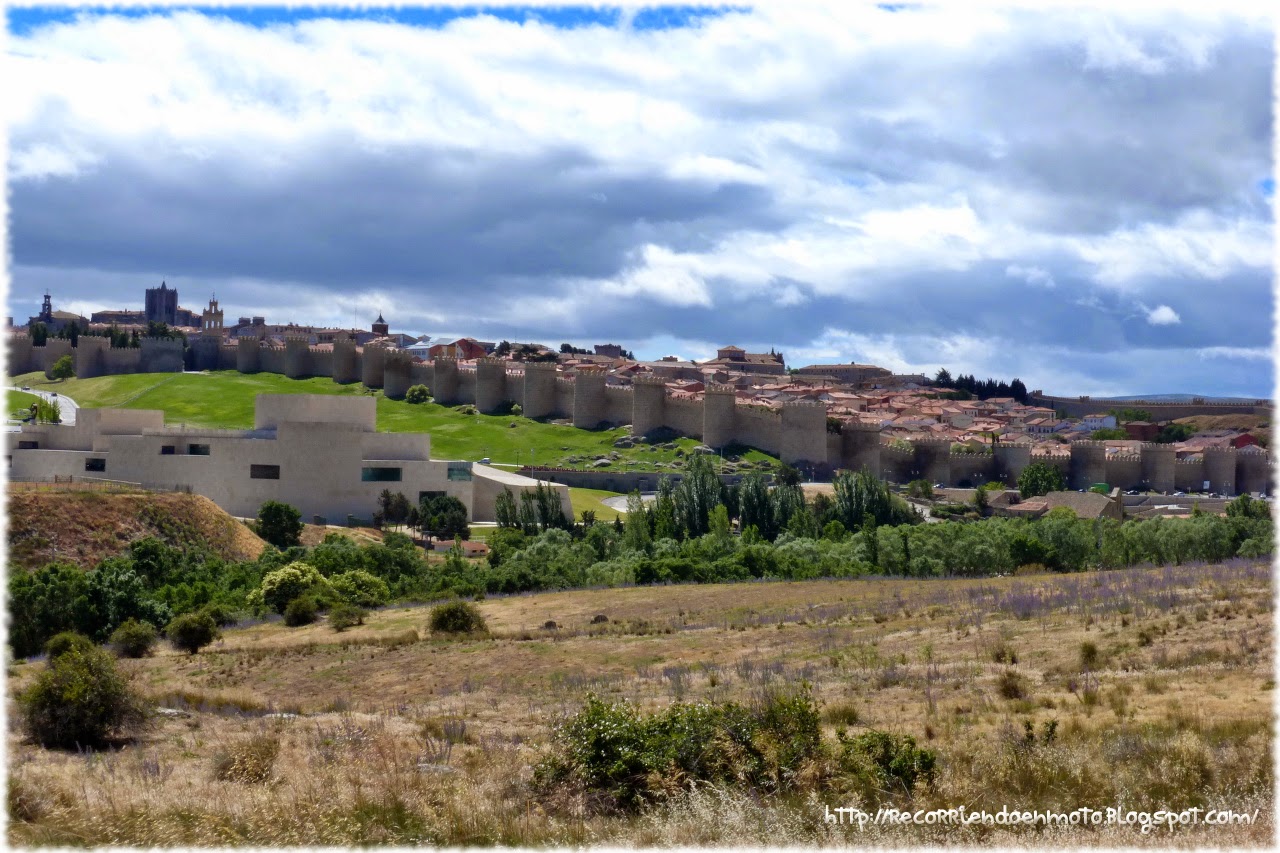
[[1075, 196]]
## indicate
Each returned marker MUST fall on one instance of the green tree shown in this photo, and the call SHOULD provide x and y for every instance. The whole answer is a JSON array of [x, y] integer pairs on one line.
[[1109, 434], [1040, 478], [635, 535], [1173, 433], [1123, 415], [754, 507], [664, 512], [504, 510], [45, 602], [443, 516], [697, 494], [39, 334], [64, 368], [280, 524], [417, 394]]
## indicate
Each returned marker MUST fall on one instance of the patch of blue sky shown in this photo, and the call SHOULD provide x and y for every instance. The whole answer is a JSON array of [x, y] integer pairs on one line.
[[21, 21], [675, 17], [1267, 186]]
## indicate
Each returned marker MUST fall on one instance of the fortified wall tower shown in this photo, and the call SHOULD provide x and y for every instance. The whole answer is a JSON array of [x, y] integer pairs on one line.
[[205, 352], [491, 384], [804, 432], [1088, 464], [933, 460], [1158, 466], [372, 365], [539, 389], [248, 354], [1220, 469], [588, 399], [346, 367], [860, 447], [90, 356], [718, 409], [297, 356], [162, 355], [19, 352], [444, 380], [397, 368], [1253, 470], [648, 406], [1011, 460]]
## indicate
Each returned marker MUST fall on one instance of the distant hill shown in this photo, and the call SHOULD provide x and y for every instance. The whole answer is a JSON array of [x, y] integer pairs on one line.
[[84, 527]]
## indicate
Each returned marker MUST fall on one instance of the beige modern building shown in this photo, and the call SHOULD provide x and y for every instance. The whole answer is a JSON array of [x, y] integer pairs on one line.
[[320, 453]]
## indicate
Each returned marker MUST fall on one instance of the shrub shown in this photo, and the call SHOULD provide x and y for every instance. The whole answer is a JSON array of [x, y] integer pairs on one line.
[[81, 700], [191, 632], [301, 611], [134, 639], [360, 588], [60, 644], [878, 763], [222, 615], [842, 714], [417, 394], [629, 759], [1010, 685], [344, 616], [293, 581], [457, 617], [1088, 656], [250, 761]]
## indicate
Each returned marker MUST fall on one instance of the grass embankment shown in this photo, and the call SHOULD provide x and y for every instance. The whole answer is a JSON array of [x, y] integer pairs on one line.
[[1144, 688], [224, 399], [17, 403], [593, 499], [85, 526]]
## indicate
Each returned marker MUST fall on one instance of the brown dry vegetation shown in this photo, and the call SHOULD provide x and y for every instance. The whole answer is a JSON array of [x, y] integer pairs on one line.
[[1257, 424], [85, 526], [404, 737]]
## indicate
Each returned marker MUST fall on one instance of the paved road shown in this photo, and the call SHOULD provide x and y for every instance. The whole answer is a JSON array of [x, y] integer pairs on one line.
[[66, 404]]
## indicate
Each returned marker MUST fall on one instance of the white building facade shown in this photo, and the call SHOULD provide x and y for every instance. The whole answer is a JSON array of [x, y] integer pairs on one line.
[[319, 453]]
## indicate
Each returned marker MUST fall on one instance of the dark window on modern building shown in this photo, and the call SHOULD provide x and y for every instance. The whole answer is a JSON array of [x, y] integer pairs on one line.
[[95, 464], [460, 471], [168, 449], [198, 449], [28, 445], [381, 475], [264, 472]]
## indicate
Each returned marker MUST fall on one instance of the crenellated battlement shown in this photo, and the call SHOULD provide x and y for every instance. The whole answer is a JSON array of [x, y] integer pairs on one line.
[[803, 404], [657, 381]]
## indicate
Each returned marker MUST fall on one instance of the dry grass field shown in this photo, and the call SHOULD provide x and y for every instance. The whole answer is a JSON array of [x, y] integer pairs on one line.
[[1144, 689]]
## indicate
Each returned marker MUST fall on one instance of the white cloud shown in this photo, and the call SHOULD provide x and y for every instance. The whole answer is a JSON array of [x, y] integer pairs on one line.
[[1163, 315], [761, 164]]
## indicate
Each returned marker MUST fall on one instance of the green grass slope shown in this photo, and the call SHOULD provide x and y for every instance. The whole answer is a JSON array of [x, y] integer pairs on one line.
[[224, 399], [17, 401]]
